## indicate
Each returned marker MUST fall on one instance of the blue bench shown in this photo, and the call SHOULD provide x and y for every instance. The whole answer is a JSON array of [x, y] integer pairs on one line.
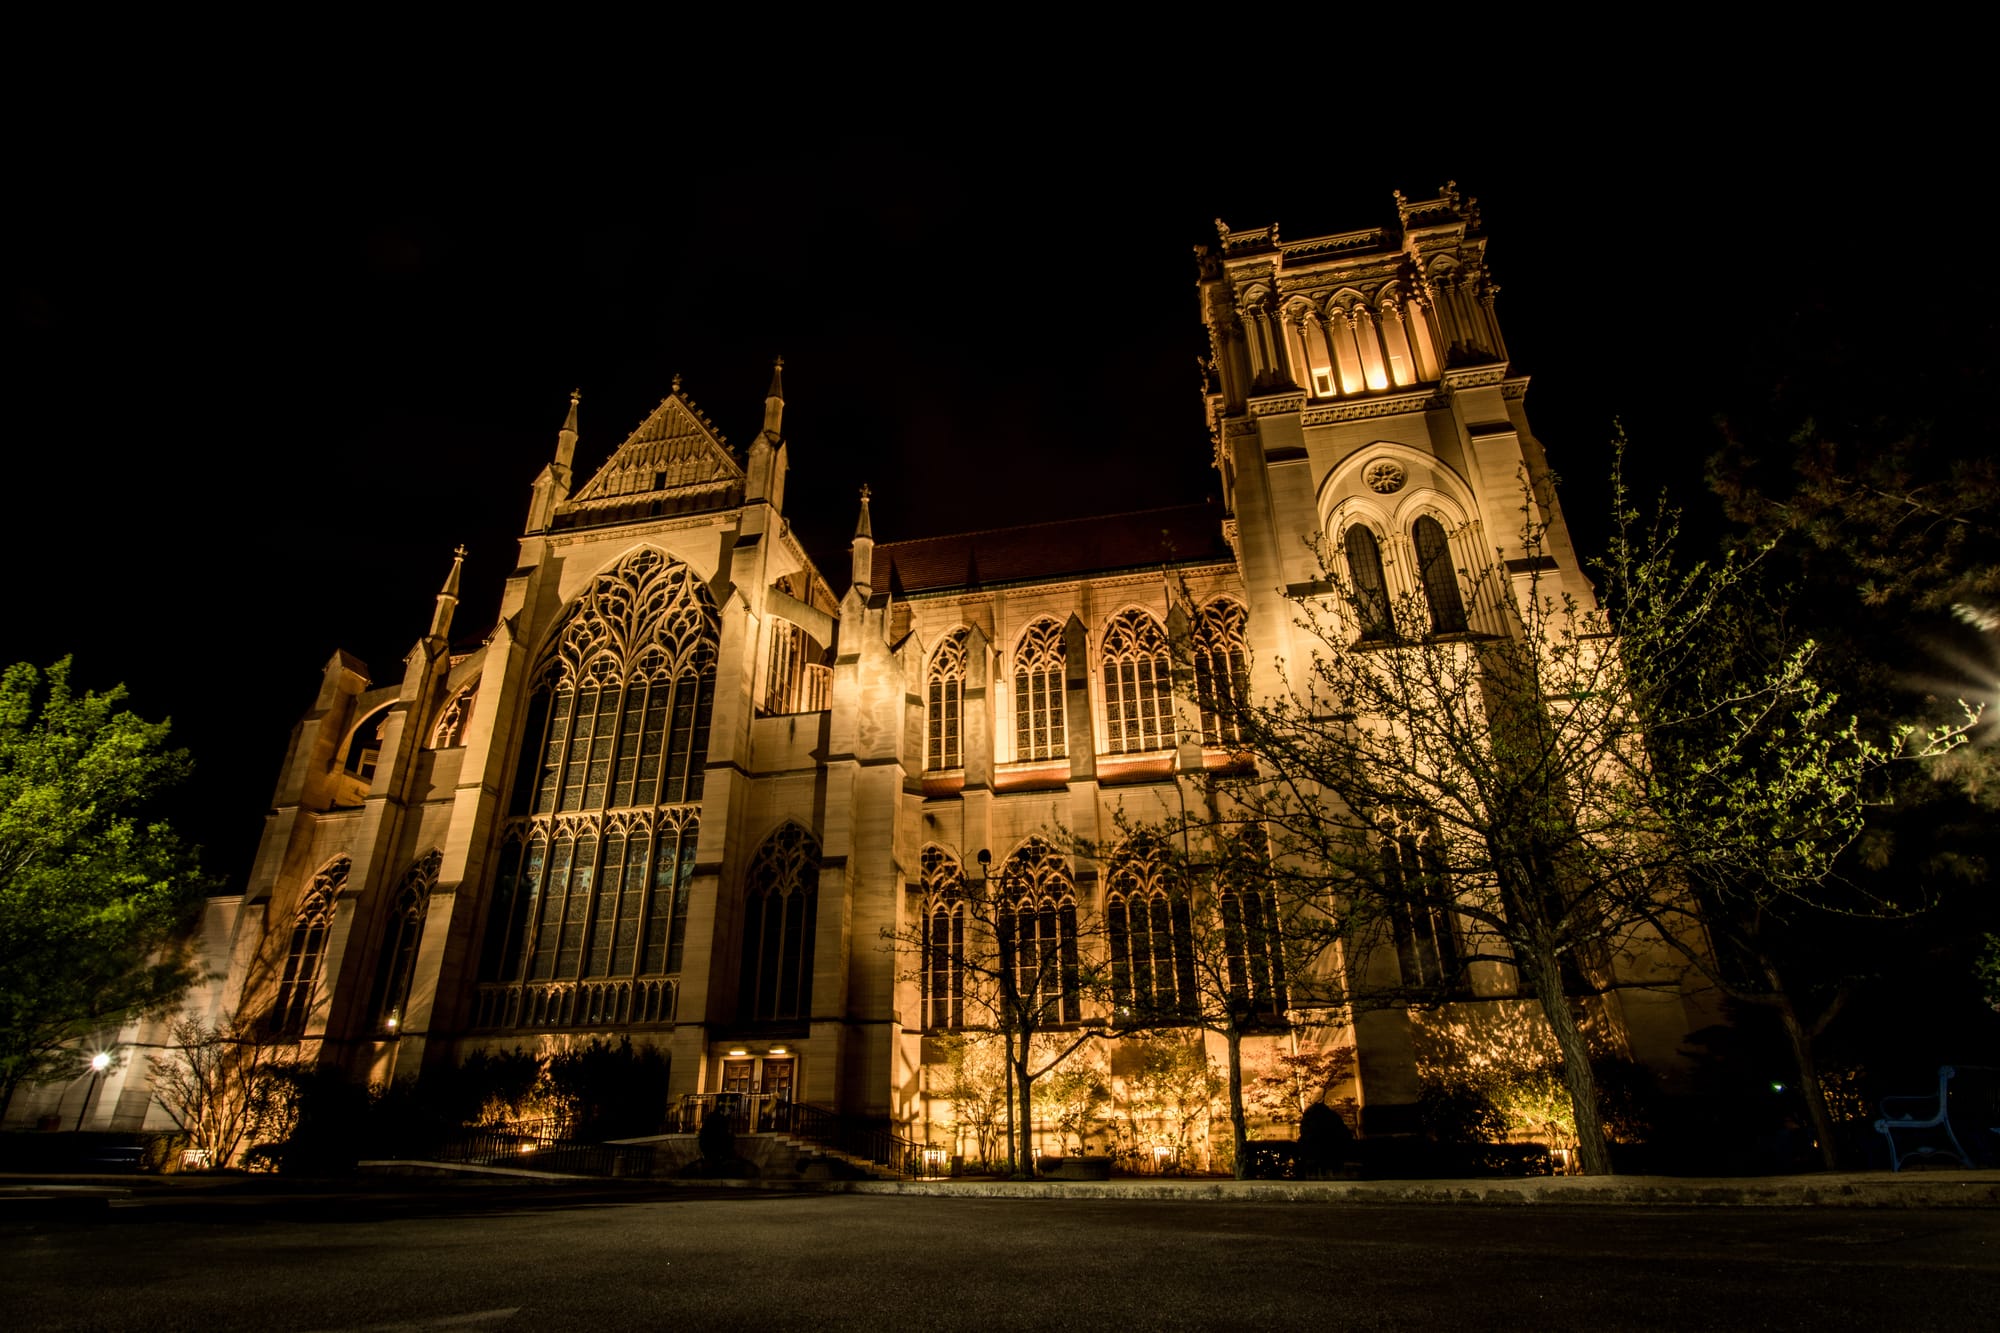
[[1921, 1127]]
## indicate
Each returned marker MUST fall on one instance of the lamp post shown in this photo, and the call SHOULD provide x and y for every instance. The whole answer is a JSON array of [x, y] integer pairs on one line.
[[98, 1064]]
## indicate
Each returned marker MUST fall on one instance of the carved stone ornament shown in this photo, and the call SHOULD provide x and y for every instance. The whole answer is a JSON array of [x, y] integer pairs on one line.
[[1384, 476]]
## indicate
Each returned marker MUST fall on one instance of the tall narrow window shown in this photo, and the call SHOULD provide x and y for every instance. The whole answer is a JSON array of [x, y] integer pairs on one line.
[[1138, 685], [1038, 947], [396, 969], [1252, 936], [298, 986], [1421, 919], [1440, 579], [780, 918], [1221, 671], [1038, 693], [1371, 588], [592, 877], [944, 941], [943, 704], [1152, 945]]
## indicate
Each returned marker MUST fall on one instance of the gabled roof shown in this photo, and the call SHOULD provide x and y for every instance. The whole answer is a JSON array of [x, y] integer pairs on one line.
[[675, 455], [1073, 547]]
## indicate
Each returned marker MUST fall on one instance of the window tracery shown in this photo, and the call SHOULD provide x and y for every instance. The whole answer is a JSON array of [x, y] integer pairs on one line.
[[1038, 693], [1038, 936], [454, 719], [1152, 946], [1221, 670], [780, 920], [596, 866], [944, 940], [1138, 684], [396, 968], [305, 957], [944, 698]]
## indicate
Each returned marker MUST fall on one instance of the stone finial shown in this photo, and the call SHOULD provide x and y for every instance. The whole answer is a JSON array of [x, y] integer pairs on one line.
[[774, 400], [677, 383], [862, 529], [447, 598], [863, 550]]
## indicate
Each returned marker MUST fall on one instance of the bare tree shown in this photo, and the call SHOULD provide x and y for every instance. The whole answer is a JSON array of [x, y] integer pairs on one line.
[[1481, 761], [227, 1087]]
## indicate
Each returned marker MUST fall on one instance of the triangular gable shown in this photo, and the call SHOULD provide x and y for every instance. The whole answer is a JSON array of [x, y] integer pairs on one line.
[[675, 451]]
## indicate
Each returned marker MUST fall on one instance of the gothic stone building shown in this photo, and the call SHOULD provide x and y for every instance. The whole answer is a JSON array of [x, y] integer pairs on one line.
[[686, 785]]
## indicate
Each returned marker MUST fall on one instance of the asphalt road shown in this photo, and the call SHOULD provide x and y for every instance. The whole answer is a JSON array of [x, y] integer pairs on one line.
[[537, 1259]]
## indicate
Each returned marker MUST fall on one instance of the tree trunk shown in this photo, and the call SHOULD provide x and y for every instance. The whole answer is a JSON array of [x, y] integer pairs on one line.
[[1578, 1076], [1024, 1165], [1808, 1076], [1238, 1125]]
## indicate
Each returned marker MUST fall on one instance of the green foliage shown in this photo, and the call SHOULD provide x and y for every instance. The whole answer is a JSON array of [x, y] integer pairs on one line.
[[95, 896], [1173, 1093], [975, 1085], [1074, 1098]]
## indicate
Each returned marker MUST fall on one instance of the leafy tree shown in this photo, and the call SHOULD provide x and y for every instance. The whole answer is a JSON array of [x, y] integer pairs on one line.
[[95, 897], [1172, 1088], [1292, 1082], [975, 1086], [1074, 1098], [1537, 792]]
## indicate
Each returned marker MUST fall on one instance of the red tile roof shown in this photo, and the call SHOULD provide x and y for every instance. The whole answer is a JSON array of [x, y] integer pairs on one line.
[[1179, 534]]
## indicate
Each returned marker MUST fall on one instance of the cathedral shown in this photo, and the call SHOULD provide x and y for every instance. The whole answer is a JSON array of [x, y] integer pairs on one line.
[[690, 790]]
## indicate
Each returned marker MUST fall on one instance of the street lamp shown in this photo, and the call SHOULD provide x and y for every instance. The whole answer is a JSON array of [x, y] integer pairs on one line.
[[98, 1064]]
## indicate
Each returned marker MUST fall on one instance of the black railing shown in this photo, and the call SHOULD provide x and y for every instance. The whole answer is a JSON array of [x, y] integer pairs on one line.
[[767, 1113], [538, 1145]]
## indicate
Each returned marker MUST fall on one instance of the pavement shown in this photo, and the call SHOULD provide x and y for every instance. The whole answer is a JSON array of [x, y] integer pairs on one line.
[[28, 1196]]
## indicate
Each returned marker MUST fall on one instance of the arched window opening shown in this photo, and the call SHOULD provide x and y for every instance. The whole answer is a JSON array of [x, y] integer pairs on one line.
[[1038, 946], [780, 918], [620, 711], [305, 958], [454, 719], [944, 941], [594, 871], [944, 698], [1370, 585], [396, 969], [798, 680], [1138, 685], [1253, 943], [1440, 580], [1152, 946], [1421, 920], [1221, 671], [364, 748], [1038, 693]]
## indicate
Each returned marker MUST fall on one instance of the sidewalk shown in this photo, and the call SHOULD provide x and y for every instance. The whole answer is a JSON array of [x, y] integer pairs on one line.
[[24, 1196]]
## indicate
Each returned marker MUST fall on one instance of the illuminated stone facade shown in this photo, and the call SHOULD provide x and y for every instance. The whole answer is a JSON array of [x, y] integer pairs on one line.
[[683, 788]]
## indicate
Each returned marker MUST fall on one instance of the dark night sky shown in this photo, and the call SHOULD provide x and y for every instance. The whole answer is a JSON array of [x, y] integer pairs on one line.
[[258, 395]]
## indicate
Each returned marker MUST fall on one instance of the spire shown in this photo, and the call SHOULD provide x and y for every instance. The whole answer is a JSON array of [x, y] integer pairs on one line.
[[864, 550], [447, 598], [566, 438], [774, 401]]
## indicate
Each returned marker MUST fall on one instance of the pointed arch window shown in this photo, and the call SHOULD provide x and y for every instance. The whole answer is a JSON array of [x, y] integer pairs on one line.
[[305, 958], [1152, 942], [454, 718], [1370, 585], [396, 966], [1038, 939], [944, 699], [1221, 671], [1440, 580], [1138, 684], [1252, 938], [780, 919], [1038, 693], [1421, 918], [596, 864], [944, 941]]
